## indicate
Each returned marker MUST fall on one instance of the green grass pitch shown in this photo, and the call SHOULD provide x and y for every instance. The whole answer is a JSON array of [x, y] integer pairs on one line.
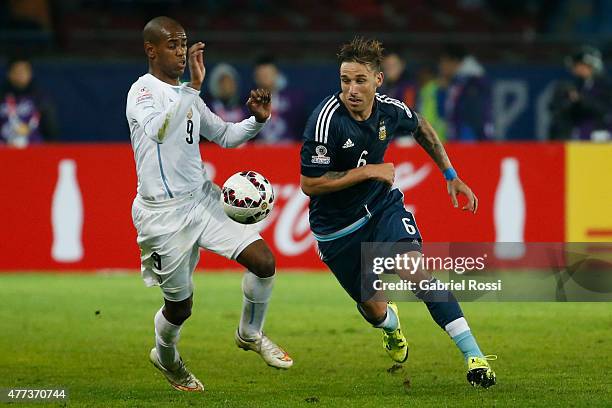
[[550, 354]]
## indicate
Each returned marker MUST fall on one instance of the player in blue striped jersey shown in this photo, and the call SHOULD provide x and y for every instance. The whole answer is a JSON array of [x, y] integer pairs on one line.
[[352, 199]]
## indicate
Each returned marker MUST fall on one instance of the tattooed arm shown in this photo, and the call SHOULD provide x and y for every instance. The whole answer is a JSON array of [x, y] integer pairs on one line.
[[426, 136], [339, 180]]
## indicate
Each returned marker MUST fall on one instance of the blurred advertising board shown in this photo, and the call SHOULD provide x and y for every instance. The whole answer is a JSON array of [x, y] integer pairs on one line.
[[589, 192], [68, 207]]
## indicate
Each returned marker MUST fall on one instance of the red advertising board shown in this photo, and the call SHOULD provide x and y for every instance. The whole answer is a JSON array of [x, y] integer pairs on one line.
[[520, 188]]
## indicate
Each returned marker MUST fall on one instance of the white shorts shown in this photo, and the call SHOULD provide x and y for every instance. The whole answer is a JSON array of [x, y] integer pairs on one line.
[[171, 233]]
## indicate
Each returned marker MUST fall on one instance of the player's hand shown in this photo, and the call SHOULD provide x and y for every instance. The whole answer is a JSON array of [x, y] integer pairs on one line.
[[384, 172], [456, 187], [259, 104], [197, 70]]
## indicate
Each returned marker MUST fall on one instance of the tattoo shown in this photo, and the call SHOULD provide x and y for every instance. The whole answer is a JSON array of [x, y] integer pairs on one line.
[[334, 175], [426, 136]]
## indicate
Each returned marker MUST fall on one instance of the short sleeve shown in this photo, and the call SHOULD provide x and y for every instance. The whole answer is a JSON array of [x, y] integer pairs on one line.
[[316, 158], [408, 120], [317, 155]]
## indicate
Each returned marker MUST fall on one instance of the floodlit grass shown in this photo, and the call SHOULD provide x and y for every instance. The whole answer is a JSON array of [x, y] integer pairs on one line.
[[92, 334]]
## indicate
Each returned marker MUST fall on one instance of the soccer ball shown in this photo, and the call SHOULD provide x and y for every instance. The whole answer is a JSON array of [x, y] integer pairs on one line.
[[247, 197]]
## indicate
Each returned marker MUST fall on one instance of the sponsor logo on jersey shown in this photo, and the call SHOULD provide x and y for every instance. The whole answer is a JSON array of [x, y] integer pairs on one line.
[[321, 157], [348, 143], [382, 130]]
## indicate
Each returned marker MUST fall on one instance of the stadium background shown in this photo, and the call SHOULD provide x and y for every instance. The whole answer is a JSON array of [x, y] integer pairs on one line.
[[86, 54]]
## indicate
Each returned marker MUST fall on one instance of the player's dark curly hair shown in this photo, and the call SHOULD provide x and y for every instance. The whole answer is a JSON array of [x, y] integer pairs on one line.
[[363, 51]]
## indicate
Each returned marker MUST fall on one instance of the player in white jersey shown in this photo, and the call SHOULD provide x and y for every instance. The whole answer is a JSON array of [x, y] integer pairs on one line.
[[177, 209]]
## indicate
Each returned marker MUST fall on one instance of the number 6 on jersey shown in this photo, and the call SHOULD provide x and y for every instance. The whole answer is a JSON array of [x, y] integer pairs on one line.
[[362, 160]]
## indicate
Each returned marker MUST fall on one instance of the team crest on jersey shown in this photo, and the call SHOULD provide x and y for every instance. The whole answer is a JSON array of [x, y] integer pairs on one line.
[[382, 130], [189, 114], [321, 157]]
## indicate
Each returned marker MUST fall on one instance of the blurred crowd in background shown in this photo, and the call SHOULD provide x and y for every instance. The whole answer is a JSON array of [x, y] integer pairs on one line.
[[478, 70]]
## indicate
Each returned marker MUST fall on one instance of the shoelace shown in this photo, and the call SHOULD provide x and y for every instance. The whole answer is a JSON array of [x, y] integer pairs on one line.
[[489, 357], [182, 373], [395, 341], [268, 345]]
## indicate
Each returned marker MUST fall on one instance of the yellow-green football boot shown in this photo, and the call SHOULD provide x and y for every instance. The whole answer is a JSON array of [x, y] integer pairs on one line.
[[480, 372], [395, 343]]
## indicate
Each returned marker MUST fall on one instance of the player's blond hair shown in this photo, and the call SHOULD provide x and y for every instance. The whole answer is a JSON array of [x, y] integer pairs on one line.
[[362, 51]]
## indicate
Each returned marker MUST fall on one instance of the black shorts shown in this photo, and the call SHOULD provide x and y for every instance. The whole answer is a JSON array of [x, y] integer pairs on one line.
[[343, 255]]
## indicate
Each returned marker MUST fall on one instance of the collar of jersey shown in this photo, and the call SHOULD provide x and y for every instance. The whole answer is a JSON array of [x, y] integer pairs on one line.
[[365, 122], [165, 83]]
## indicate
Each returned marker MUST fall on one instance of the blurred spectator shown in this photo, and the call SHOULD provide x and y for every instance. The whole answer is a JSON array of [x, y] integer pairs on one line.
[[288, 112], [468, 105], [396, 83], [26, 117], [582, 109], [223, 86], [30, 14], [430, 99]]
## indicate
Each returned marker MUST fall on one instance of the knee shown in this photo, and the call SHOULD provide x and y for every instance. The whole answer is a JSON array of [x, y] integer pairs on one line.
[[258, 259], [265, 266], [178, 312], [183, 314]]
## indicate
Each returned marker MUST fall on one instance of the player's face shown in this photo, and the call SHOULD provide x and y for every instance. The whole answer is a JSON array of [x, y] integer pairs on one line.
[[171, 52], [359, 83]]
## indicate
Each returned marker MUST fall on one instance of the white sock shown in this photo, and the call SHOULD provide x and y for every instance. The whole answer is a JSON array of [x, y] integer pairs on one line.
[[257, 293], [166, 337]]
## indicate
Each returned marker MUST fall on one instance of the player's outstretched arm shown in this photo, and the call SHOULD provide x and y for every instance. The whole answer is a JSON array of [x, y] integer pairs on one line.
[[227, 134], [426, 136], [339, 180]]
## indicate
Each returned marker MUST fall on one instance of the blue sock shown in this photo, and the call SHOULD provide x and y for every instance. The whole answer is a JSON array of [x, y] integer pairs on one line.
[[442, 305], [391, 322], [461, 334], [445, 310], [467, 344]]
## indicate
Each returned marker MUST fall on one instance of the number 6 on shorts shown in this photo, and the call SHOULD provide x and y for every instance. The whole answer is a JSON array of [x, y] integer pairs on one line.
[[410, 228]]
